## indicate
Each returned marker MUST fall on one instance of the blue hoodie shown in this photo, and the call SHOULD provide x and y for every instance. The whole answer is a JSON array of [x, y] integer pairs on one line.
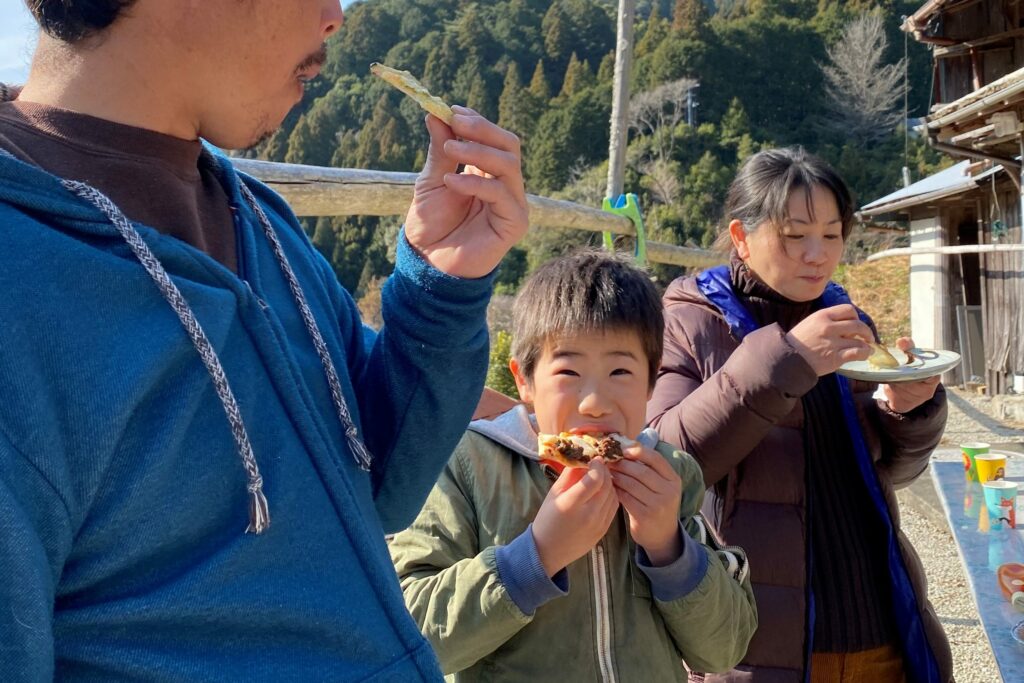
[[123, 501]]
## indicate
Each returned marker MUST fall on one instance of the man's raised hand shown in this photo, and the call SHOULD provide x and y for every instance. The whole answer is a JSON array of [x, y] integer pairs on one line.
[[464, 223]]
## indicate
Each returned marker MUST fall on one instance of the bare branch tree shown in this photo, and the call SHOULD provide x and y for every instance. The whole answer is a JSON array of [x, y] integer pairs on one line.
[[657, 112], [662, 179], [863, 93]]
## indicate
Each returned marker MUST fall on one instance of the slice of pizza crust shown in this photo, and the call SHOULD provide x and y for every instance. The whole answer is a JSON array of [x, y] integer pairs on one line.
[[407, 83], [577, 450]]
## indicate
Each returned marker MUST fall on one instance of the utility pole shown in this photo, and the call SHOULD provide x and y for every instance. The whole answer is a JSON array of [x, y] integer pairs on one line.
[[620, 99], [691, 105]]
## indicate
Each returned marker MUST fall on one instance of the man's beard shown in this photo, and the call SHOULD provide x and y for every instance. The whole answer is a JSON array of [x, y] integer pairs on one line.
[[261, 138], [265, 128], [316, 59]]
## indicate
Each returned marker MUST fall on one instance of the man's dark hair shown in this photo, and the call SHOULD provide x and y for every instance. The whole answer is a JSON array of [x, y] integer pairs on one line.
[[584, 292], [73, 20], [760, 192]]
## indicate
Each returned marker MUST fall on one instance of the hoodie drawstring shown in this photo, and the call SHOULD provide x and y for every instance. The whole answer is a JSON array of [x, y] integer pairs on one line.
[[259, 513]]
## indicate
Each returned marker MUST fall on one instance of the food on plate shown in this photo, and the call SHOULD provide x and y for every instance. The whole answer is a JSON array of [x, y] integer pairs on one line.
[[407, 83], [881, 359], [577, 450]]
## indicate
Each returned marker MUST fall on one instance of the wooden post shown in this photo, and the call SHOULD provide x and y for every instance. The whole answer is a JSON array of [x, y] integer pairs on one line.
[[975, 70], [620, 99], [983, 286]]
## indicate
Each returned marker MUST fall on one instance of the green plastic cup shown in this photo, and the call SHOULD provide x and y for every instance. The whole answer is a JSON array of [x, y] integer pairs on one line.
[[969, 450]]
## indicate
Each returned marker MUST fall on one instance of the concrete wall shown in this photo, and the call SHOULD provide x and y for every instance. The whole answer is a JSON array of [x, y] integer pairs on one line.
[[929, 295]]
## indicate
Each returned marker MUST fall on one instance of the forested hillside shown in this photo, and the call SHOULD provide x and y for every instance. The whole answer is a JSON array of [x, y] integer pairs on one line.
[[544, 70]]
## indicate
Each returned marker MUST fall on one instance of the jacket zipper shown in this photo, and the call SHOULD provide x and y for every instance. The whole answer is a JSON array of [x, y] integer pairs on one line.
[[602, 614]]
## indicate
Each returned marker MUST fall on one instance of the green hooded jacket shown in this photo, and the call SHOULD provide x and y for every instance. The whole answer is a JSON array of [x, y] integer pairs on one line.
[[602, 619]]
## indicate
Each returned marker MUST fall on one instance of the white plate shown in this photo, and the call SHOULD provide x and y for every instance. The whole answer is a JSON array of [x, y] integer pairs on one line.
[[932, 363]]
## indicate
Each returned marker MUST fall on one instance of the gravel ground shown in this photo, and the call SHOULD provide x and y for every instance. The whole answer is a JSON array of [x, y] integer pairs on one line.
[[970, 419], [925, 524], [950, 594]]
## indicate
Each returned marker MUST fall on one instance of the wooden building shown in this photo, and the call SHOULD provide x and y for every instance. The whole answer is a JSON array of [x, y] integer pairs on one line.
[[976, 114]]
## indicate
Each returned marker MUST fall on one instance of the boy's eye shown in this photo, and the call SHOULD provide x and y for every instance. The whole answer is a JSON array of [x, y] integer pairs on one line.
[[621, 371], [567, 372], [791, 236], [833, 237]]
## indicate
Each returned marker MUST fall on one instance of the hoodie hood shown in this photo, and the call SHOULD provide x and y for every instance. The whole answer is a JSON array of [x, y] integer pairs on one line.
[[31, 190], [517, 430], [685, 290]]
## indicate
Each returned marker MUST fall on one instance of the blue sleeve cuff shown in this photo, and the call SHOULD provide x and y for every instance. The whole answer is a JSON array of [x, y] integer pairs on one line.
[[523, 576], [433, 308], [676, 580]]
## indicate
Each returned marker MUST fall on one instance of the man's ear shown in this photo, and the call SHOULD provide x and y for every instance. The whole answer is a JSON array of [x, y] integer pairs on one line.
[[523, 383], [739, 238]]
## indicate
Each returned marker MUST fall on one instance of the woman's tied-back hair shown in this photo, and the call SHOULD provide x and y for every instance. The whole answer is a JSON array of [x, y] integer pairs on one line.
[[73, 20], [584, 292], [760, 192]]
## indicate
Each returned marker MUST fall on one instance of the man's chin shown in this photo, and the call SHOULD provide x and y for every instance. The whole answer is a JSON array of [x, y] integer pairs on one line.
[[239, 140], [261, 138]]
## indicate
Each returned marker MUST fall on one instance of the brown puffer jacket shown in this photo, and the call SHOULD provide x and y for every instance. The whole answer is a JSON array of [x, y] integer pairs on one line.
[[736, 407]]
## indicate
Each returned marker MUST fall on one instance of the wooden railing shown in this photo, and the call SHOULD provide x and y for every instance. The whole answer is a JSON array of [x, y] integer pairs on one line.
[[322, 191]]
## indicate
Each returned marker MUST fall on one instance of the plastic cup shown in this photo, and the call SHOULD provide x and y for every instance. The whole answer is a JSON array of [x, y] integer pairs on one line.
[[1001, 502], [990, 466], [969, 450]]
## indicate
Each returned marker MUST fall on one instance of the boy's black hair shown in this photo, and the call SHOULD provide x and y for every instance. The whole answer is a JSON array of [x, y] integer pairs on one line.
[[73, 20], [586, 291]]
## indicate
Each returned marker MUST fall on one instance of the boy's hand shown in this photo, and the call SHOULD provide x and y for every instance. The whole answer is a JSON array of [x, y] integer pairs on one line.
[[575, 515], [650, 490]]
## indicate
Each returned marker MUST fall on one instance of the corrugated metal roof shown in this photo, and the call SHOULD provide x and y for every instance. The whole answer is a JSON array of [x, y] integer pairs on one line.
[[951, 181]]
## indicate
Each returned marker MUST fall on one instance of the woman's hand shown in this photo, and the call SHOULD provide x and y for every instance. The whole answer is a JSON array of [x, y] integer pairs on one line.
[[905, 396], [828, 338]]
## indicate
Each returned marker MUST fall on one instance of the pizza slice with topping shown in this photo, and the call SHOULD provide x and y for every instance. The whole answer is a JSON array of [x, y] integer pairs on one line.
[[577, 450]]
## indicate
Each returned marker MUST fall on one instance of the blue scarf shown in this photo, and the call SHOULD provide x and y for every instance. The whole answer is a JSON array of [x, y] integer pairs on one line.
[[716, 286]]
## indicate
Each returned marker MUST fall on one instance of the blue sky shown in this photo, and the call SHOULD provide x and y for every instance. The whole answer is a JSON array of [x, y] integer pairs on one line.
[[18, 38]]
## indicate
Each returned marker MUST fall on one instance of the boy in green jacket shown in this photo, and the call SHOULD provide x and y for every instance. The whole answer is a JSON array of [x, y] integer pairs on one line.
[[516, 571]]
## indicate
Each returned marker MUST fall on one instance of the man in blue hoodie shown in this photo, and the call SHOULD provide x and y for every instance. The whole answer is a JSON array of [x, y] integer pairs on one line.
[[179, 367]]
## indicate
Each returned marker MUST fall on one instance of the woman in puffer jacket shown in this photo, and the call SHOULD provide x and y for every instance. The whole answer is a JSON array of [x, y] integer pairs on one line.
[[802, 463]]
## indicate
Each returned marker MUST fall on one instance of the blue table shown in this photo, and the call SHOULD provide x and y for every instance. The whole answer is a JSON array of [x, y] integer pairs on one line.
[[983, 548]]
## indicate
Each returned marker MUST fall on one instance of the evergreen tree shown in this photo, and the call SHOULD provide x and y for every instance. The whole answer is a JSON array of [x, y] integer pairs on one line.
[[382, 140], [518, 109], [735, 122], [539, 86], [606, 70], [514, 30], [442, 66], [706, 183], [690, 17], [558, 36], [479, 99], [655, 30], [471, 71], [577, 77]]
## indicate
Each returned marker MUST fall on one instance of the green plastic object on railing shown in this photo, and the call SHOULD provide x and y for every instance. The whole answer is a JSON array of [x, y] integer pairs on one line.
[[628, 205]]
